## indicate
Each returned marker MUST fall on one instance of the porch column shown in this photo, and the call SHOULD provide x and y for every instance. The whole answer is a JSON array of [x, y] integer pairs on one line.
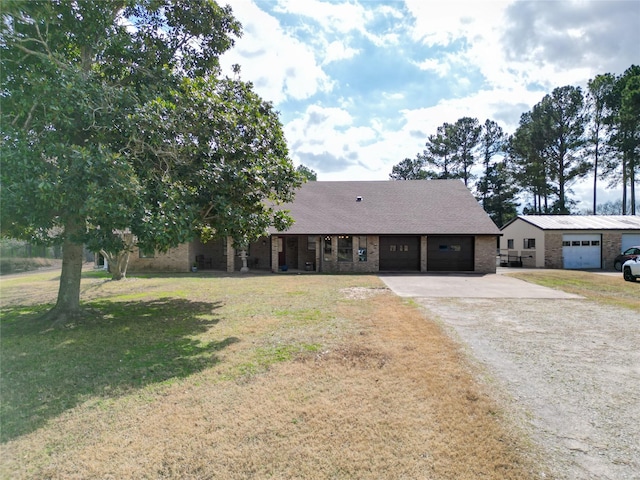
[[275, 244], [318, 253], [423, 253], [231, 255]]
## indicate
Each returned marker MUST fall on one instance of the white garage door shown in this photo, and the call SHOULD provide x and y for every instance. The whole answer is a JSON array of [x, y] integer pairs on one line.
[[630, 240], [581, 251]]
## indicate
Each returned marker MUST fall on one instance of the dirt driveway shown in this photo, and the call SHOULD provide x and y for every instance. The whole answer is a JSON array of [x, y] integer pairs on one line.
[[567, 368]]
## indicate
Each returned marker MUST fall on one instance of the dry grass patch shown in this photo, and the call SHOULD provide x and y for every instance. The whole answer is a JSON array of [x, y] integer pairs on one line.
[[319, 383]]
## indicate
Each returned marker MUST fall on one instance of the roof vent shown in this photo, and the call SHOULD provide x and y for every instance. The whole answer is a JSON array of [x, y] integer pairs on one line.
[[358, 198]]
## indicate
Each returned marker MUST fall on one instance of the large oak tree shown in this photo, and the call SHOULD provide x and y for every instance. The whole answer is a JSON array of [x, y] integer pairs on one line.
[[117, 124]]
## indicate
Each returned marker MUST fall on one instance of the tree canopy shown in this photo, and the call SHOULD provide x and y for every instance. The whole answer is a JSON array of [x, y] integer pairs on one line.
[[563, 138], [117, 124], [307, 173]]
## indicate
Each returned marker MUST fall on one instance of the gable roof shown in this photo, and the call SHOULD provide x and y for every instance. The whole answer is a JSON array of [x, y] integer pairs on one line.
[[581, 222], [411, 207]]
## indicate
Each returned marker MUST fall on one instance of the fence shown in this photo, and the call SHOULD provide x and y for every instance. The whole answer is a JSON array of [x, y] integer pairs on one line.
[[19, 249]]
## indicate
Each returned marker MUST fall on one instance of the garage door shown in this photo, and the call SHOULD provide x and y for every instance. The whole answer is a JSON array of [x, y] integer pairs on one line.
[[400, 254], [630, 240], [450, 254], [581, 251]]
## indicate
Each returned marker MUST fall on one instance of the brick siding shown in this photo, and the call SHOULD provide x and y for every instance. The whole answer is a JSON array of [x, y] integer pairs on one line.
[[485, 254]]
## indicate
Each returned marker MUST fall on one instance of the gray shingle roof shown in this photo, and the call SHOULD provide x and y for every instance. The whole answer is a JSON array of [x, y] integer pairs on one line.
[[583, 222], [411, 207]]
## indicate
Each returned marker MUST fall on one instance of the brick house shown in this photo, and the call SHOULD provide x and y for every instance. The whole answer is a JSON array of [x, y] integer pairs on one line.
[[359, 226], [569, 241]]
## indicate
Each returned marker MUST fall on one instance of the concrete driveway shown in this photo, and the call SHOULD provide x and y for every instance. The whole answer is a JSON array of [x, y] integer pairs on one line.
[[470, 285]]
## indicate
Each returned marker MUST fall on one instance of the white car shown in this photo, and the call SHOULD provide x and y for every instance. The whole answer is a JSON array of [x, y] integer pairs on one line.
[[631, 269]]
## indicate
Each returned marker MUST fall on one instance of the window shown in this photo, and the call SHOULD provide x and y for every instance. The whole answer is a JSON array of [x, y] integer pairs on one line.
[[362, 249], [566, 243], [595, 243], [327, 248], [345, 248], [585, 243], [529, 243], [510, 244], [311, 242], [575, 243], [392, 248]]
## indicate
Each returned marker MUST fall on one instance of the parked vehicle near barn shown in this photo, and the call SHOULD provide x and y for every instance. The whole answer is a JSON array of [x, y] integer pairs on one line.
[[628, 254], [631, 269]]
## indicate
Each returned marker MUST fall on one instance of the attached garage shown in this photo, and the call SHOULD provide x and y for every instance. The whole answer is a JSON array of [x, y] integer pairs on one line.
[[400, 253], [450, 253], [581, 251]]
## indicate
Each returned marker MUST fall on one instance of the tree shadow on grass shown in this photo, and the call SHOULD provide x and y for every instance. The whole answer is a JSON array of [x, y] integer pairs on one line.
[[116, 348]]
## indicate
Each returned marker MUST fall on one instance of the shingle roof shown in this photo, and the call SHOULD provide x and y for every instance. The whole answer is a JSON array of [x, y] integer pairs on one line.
[[412, 207], [583, 222]]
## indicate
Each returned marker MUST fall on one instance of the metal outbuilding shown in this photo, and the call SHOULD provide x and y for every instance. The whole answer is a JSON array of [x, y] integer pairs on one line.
[[569, 241]]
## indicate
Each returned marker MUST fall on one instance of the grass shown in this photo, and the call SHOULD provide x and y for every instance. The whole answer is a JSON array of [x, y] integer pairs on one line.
[[268, 376], [604, 289], [10, 265]]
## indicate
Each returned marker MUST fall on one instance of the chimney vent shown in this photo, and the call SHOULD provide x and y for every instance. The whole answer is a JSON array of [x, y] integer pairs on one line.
[[358, 198]]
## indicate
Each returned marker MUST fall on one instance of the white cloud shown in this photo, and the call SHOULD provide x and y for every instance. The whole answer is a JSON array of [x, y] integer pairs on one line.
[[338, 51], [445, 22], [325, 139], [477, 58], [334, 17], [280, 66], [438, 67]]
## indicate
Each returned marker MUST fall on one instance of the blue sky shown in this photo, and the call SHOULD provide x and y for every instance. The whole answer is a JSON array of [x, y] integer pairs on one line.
[[361, 84]]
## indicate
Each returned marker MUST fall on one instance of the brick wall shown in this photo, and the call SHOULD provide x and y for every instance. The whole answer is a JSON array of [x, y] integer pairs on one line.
[[175, 260], [611, 244], [423, 253], [553, 250], [485, 254]]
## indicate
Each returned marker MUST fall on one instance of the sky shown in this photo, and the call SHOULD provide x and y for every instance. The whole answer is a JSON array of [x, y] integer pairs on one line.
[[361, 84]]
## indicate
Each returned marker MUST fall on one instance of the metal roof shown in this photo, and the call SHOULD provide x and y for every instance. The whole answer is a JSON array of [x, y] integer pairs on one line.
[[583, 222], [412, 207]]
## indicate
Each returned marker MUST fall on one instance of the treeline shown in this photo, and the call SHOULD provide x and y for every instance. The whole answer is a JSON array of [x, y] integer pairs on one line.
[[563, 138]]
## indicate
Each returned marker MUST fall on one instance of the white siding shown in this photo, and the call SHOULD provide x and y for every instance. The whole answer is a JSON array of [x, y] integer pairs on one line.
[[517, 231]]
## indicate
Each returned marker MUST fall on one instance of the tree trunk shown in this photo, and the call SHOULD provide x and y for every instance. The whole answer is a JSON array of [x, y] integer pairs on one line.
[[624, 184], [118, 263], [595, 169], [632, 187], [68, 304]]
